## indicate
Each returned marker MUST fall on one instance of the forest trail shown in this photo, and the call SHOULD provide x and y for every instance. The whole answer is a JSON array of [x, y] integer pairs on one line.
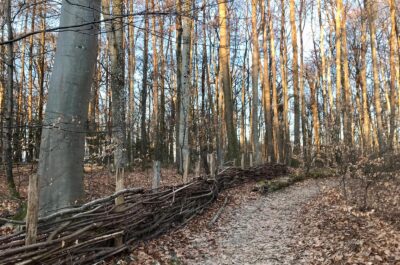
[[262, 231]]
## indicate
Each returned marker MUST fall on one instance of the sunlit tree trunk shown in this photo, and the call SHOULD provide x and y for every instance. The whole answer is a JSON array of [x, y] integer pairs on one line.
[[393, 48], [31, 131], [255, 69], [304, 119], [285, 92], [275, 120], [243, 103], [348, 112], [266, 86], [224, 51], [41, 69], [131, 79], [323, 75], [377, 95], [363, 81], [295, 69], [338, 38]]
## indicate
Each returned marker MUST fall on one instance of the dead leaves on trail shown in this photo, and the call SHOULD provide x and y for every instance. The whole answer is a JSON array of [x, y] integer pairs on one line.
[[337, 233]]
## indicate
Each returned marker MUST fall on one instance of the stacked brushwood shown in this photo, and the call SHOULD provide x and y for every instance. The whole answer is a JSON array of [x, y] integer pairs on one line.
[[87, 234]]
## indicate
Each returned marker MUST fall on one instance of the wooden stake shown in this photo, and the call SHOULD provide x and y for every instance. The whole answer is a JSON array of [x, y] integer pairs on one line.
[[212, 165], [186, 166], [32, 211], [119, 185], [242, 161], [198, 166], [156, 174], [251, 159]]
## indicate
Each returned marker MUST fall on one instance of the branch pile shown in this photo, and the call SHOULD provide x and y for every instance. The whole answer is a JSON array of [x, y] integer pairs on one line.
[[87, 234]]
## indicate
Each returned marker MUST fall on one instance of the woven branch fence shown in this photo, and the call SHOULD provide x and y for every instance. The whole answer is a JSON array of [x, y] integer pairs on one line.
[[90, 233]]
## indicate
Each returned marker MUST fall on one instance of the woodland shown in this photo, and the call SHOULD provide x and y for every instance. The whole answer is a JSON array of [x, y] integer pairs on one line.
[[147, 131]]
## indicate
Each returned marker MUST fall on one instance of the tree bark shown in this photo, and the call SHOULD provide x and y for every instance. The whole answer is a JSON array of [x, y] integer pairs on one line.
[[393, 48], [255, 69], [9, 105], [232, 148], [377, 94], [186, 92], [295, 69], [338, 38], [270, 154], [143, 133], [62, 147]]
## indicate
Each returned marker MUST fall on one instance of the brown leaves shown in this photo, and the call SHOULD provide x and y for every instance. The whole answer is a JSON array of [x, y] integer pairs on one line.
[[336, 233]]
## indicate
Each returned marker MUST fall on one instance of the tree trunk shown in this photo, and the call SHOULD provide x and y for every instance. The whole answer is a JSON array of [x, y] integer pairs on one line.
[[393, 48], [9, 105], [131, 78], [295, 69], [41, 69], [62, 148], [233, 148], [255, 69], [143, 135], [348, 112], [186, 84], [270, 154], [179, 30], [338, 18], [363, 81], [283, 58], [377, 95], [31, 131]]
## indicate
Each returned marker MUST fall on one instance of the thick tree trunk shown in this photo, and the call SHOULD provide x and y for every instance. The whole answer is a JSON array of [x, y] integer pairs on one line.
[[62, 149], [117, 58], [186, 85]]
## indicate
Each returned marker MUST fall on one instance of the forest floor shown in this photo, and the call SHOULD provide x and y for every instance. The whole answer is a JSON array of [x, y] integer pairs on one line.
[[253, 229], [310, 222]]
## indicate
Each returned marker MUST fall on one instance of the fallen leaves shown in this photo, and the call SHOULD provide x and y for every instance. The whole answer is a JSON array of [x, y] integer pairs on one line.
[[337, 232]]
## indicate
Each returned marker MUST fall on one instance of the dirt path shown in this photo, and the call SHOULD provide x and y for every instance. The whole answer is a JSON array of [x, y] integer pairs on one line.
[[261, 231]]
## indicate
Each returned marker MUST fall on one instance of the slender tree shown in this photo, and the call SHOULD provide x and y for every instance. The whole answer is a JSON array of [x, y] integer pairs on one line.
[[9, 104]]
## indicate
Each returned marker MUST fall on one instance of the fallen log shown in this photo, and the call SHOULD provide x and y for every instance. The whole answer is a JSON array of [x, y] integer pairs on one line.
[[86, 234]]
